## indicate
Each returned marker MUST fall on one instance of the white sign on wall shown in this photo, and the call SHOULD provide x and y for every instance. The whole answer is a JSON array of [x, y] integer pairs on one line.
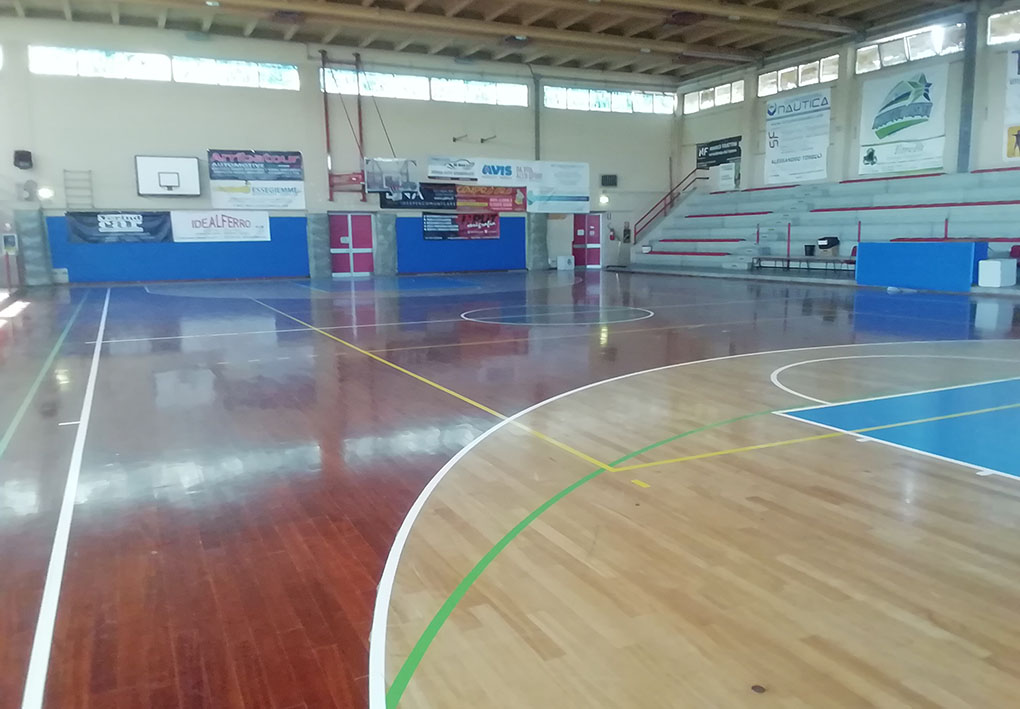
[[553, 187], [797, 138], [1011, 134], [903, 121], [220, 225]]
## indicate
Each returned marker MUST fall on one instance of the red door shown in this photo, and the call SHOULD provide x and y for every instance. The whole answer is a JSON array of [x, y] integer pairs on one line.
[[351, 245], [587, 246]]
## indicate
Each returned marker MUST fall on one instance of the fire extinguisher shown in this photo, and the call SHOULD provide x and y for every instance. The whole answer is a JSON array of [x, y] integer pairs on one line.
[[612, 234], [626, 232]]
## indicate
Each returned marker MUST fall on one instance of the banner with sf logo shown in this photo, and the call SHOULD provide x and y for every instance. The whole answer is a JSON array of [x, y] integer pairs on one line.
[[797, 137]]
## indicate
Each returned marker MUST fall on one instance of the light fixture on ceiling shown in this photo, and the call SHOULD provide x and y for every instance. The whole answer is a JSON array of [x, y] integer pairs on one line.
[[720, 56], [212, 3], [645, 50], [45, 193]]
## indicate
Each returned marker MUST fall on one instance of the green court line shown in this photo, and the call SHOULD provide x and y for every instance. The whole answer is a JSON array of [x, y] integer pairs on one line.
[[403, 678], [32, 390]]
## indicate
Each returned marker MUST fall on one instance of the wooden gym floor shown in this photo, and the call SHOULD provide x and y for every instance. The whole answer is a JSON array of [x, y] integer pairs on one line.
[[549, 490]]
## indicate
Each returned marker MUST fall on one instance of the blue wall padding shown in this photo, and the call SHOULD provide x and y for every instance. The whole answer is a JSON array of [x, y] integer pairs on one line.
[[416, 255], [285, 255], [923, 265]]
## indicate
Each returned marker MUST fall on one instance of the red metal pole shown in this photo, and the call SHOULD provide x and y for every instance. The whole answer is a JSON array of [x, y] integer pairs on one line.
[[757, 234], [858, 231], [325, 119], [789, 232], [945, 234], [361, 123]]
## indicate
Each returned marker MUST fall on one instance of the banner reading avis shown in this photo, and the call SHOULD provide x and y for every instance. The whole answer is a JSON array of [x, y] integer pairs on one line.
[[256, 179], [552, 187]]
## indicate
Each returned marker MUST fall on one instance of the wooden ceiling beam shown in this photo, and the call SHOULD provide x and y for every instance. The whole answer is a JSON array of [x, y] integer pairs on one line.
[[368, 39], [161, 19], [384, 19], [535, 16], [439, 47], [736, 12], [115, 13], [473, 49], [250, 28], [610, 21], [456, 7], [401, 46], [572, 19], [499, 11], [291, 31], [641, 27], [412, 5], [207, 21], [68, 14], [19, 8]]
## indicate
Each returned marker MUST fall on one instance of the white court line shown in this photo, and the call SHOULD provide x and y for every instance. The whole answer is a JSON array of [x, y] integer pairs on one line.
[[39, 660], [774, 377], [384, 592], [68, 423], [524, 323], [979, 469], [403, 322]]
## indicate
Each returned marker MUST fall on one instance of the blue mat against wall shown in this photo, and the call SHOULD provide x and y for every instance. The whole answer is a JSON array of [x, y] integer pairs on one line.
[[947, 266], [416, 255], [286, 255]]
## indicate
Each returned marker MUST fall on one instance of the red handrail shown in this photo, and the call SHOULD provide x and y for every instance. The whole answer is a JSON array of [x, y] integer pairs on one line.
[[660, 208]]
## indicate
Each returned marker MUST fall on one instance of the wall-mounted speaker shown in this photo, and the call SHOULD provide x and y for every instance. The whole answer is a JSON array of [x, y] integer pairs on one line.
[[609, 180], [23, 159]]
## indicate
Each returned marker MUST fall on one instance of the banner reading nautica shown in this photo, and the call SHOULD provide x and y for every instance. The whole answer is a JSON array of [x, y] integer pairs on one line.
[[552, 187], [903, 121], [256, 179], [797, 138]]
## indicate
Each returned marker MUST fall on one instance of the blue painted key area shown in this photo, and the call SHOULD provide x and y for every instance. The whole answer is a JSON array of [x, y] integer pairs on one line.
[[986, 439]]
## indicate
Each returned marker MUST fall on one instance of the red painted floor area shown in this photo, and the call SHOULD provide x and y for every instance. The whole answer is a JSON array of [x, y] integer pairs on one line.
[[243, 476]]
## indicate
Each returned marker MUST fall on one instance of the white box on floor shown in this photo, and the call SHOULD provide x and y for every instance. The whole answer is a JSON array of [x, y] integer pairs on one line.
[[997, 272], [564, 263]]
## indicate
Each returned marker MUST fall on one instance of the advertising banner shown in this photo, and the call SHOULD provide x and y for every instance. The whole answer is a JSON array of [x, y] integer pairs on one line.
[[722, 160], [492, 199], [1011, 133], [428, 195], [903, 121], [460, 226], [390, 174], [552, 187], [718, 152], [220, 225], [118, 227], [797, 137], [437, 195], [256, 179]]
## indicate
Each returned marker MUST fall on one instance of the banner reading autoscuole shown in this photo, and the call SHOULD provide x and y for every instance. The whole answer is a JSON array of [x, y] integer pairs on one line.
[[797, 138], [256, 179], [903, 121]]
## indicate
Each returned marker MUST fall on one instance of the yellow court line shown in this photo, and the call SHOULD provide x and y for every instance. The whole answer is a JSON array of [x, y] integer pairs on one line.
[[538, 434], [690, 326], [775, 444], [640, 483]]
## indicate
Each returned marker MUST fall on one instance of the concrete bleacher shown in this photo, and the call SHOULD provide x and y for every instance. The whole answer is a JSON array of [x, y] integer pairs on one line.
[[725, 230]]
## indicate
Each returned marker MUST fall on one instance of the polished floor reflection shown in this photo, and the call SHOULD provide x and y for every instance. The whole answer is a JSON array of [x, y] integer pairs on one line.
[[243, 475]]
